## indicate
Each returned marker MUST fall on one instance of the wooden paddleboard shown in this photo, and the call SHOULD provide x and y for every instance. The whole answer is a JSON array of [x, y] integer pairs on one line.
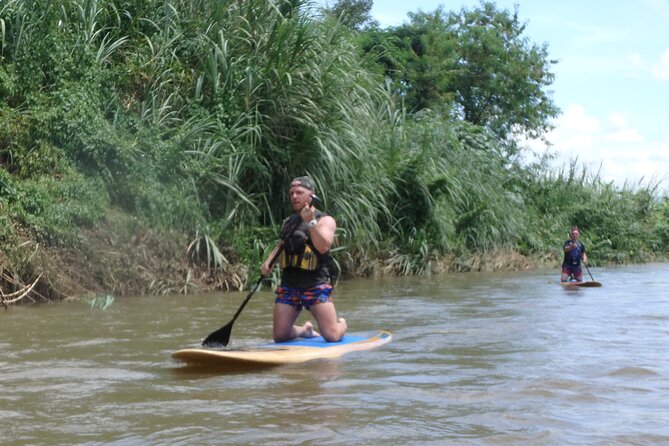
[[298, 350], [588, 284]]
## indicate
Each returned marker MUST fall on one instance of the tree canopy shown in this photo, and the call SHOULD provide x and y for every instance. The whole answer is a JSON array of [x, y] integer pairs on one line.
[[477, 62], [355, 14]]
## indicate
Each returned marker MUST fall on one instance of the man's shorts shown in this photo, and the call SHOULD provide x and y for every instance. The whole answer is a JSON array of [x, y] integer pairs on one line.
[[574, 270], [299, 297]]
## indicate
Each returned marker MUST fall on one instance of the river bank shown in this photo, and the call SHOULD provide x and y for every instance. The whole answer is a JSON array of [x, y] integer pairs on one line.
[[140, 261]]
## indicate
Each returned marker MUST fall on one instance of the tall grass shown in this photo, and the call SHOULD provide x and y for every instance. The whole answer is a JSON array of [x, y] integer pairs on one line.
[[192, 116], [621, 224], [298, 102]]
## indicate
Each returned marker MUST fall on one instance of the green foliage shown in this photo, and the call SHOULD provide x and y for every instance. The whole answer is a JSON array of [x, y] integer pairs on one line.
[[453, 183], [414, 257], [660, 238], [355, 14], [618, 225], [8, 82], [500, 76], [7, 194], [203, 250], [475, 60], [252, 244], [193, 116], [54, 208], [7, 233]]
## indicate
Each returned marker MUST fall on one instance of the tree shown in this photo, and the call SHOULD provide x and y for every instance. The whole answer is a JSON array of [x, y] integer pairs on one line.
[[476, 61], [355, 14], [500, 76]]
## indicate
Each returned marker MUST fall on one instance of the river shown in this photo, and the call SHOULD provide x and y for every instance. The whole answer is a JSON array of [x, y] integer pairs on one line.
[[476, 359]]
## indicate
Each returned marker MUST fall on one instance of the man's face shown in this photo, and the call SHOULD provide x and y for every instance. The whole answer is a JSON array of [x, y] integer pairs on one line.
[[299, 196], [575, 235]]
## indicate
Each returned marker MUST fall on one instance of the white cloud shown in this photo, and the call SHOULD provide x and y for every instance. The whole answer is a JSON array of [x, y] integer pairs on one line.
[[624, 135], [575, 119], [618, 120], [636, 67], [658, 7], [621, 131], [661, 68], [636, 60], [619, 152]]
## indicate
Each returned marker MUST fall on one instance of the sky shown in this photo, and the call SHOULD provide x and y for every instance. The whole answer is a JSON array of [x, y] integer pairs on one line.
[[612, 79]]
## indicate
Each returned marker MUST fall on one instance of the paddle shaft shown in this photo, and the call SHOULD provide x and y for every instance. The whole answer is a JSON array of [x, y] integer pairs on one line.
[[586, 267], [255, 287]]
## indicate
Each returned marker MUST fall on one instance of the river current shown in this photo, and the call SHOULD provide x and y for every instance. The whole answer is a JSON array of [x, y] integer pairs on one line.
[[476, 359]]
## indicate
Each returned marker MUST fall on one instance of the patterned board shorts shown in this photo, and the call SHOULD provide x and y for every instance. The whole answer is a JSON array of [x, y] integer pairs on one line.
[[575, 271], [304, 297]]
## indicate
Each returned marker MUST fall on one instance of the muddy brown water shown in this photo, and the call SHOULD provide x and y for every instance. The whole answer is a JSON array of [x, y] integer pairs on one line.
[[476, 359]]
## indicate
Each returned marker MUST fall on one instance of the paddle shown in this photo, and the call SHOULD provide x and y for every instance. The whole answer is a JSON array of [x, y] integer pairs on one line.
[[222, 335], [586, 267], [594, 283]]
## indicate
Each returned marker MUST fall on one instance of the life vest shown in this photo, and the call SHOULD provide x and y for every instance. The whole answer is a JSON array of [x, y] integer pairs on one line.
[[301, 263]]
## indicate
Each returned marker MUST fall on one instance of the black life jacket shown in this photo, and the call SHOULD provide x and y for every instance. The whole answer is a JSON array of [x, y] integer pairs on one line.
[[302, 265]]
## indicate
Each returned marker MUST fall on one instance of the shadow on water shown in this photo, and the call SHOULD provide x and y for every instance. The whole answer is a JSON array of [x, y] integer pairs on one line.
[[191, 371]]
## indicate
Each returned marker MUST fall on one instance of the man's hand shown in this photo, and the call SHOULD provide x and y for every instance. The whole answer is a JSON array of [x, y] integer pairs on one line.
[[308, 213]]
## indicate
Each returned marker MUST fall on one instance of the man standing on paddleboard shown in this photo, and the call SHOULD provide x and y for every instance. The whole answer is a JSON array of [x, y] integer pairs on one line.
[[306, 238], [574, 253]]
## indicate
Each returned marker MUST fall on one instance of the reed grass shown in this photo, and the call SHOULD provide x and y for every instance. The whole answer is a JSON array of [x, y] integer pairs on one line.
[[191, 117]]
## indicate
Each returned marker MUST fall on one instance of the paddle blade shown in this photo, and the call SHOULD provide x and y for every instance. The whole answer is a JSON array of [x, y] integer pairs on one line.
[[219, 338]]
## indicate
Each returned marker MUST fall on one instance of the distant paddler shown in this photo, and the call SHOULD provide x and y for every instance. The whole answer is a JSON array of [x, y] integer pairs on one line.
[[574, 254]]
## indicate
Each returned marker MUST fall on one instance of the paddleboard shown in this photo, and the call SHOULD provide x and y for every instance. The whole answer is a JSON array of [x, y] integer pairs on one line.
[[588, 284], [298, 350]]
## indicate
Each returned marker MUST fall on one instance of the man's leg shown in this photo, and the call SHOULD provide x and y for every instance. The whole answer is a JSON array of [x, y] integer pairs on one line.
[[331, 328], [284, 324]]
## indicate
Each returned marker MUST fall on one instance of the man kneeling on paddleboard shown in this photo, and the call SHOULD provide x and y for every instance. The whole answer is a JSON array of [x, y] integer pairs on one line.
[[574, 253], [306, 238]]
